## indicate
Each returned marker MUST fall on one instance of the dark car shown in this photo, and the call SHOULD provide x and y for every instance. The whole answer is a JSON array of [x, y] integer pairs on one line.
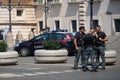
[[28, 47]]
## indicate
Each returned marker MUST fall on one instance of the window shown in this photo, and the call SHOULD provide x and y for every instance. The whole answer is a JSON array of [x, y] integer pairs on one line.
[[43, 37], [40, 1], [73, 0], [56, 36], [56, 1], [19, 12], [95, 23], [57, 24], [117, 25], [0, 2], [41, 25], [74, 25]]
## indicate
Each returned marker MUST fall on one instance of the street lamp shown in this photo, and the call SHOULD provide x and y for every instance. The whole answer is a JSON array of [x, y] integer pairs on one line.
[[91, 13], [48, 6], [91, 2], [9, 8]]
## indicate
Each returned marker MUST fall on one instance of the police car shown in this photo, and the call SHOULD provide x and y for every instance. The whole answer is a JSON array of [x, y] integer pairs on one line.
[[28, 47]]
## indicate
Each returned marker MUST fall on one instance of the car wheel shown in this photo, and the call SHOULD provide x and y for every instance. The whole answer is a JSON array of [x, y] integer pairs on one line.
[[24, 51]]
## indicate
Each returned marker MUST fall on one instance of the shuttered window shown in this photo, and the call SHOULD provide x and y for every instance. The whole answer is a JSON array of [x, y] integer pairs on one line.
[[40, 1], [117, 25]]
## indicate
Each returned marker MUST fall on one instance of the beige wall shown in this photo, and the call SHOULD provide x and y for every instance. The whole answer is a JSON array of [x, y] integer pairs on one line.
[[21, 23]]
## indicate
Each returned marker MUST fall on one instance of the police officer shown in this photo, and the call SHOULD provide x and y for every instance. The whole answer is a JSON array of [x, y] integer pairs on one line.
[[89, 52], [100, 46], [78, 42]]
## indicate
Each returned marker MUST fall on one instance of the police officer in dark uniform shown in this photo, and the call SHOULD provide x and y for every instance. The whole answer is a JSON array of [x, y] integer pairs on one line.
[[100, 46], [78, 42], [89, 50]]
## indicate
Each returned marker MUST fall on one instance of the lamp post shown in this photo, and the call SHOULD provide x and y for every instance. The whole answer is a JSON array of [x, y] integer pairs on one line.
[[91, 13], [46, 10], [9, 8], [48, 4]]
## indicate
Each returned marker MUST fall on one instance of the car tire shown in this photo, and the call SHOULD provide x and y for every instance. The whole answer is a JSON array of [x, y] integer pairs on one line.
[[24, 51]]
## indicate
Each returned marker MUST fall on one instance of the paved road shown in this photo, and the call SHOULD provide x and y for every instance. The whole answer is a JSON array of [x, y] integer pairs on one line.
[[28, 69]]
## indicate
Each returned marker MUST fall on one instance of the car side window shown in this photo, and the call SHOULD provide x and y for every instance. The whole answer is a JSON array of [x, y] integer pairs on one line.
[[56, 36], [43, 37]]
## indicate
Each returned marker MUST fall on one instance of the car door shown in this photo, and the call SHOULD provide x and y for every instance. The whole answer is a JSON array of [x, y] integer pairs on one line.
[[38, 41]]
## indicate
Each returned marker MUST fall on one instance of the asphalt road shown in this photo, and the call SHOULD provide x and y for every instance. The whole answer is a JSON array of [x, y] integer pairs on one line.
[[28, 69]]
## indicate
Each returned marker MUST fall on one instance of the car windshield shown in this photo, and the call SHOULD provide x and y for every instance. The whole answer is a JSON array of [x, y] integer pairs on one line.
[[43, 37]]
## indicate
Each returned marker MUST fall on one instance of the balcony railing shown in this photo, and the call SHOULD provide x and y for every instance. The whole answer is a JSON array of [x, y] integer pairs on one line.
[[73, 1], [56, 1], [89, 0], [41, 2]]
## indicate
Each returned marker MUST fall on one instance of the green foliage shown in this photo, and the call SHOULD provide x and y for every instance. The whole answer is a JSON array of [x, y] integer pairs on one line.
[[51, 45], [3, 46]]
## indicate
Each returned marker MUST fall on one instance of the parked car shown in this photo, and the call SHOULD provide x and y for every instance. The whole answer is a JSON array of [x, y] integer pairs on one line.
[[28, 47]]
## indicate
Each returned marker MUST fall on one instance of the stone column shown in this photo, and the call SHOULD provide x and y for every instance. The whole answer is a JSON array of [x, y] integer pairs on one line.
[[81, 13], [9, 40]]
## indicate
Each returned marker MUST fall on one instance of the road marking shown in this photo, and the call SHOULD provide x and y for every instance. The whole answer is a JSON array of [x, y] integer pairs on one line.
[[48, 64], [23, 68], [68, 65], [11, 75]]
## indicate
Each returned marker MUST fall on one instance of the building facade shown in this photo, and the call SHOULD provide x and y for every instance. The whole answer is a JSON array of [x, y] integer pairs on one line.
[[62, 14], [23, 18], [106, 14], [70, 14]]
